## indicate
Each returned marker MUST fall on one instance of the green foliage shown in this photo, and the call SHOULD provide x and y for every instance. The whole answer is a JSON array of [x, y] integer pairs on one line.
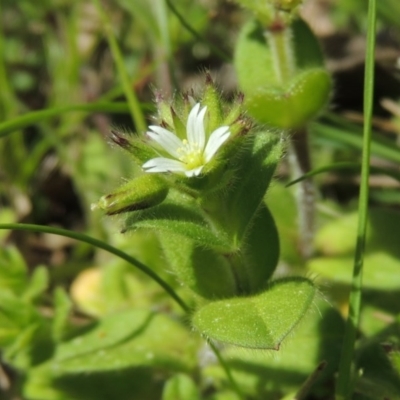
[[334, 241], [180, 387], [285, 96], [265, 375], [260, 321], [218, 250]]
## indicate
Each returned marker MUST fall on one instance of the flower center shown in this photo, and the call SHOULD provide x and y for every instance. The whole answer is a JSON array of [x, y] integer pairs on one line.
[[191, 154]]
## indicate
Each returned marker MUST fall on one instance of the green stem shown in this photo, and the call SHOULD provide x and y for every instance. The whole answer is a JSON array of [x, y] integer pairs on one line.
[[101, 245], [133, 102], [34, 117], [228, 373], [283, 58], [195, 34], [343, 388], [300, 163]]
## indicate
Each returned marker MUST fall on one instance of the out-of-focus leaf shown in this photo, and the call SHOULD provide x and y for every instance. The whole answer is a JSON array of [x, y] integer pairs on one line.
[[127, 339], [180, 387], [38, 283], [281, 102], [62, 310], [381, 270], [282, 204], [13, 271], [336, 241], [15, 316], [45, 383], [379, 378]]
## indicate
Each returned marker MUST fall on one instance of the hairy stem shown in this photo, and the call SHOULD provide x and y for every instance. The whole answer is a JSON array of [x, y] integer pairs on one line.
[[299, 159]]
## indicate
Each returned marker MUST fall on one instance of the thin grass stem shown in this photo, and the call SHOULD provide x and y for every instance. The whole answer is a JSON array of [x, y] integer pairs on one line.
[[133, 102], [101, 245], [344, 383], [195, 34]]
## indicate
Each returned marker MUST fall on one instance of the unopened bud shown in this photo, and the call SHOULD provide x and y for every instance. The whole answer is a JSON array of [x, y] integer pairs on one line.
[[286, 5], [140, 193]]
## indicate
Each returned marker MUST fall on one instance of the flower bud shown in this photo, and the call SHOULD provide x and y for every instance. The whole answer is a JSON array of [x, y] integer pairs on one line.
[[142, 192], [286, 5]]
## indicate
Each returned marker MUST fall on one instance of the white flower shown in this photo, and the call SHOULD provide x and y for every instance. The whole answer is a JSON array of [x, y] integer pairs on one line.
[[189, 155]]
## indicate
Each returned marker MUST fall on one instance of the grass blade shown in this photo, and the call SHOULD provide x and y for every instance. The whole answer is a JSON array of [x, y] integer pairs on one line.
[[344, 382]]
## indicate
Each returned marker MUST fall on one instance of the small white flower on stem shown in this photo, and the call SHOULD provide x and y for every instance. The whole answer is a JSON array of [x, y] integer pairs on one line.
[[190, 155]]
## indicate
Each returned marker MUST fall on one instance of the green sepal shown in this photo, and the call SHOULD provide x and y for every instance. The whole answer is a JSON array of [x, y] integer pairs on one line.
[[261, 321], [212, 100], [201, 269], [262, 10], [140, 193], [290, 104], [139, 150], [178, 126]]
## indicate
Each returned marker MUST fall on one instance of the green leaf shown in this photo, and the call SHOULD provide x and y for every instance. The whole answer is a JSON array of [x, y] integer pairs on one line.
[[261, 375], [107, 332], [180, 387], [45, 383], [282, 204], [336, 241], [293, 107], [290, 104], [379, 379], [201, 269], [15, 316], [62, 310], [38, 283], [127, 339], [13, 271], [261, 321], [256, 168], [261, 250], [178, 214]]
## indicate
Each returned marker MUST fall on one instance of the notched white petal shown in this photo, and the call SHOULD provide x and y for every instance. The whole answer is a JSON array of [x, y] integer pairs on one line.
[[216, 140], [162, 164], [194, 172], [191, 123], [188, 156], [166, 139], [200, 135]]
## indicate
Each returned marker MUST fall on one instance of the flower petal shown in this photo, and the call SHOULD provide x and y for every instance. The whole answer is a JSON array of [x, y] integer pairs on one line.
[[200, 135], [162, 164], [166, 139], [194, 172], [192, 124], [216, 140]]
